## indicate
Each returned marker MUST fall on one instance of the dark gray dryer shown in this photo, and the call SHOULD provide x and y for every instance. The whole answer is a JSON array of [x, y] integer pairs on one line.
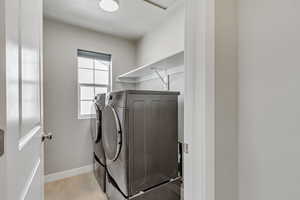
[[140, 141]]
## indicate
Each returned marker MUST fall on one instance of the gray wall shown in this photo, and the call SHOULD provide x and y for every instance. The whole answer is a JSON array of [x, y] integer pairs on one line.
[[166, 39], [226, 99], [72, 145], [269, 85]]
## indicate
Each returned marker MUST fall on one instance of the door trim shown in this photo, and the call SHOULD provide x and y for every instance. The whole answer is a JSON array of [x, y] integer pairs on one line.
[[199, 112]]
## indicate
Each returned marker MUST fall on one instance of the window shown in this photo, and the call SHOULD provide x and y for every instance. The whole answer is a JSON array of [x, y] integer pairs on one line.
[[93, 78]]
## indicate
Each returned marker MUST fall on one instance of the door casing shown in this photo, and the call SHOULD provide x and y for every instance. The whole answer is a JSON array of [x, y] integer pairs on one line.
[[199, 104]]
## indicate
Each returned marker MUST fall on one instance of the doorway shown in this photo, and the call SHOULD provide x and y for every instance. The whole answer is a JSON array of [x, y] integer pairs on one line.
[[191, 90]]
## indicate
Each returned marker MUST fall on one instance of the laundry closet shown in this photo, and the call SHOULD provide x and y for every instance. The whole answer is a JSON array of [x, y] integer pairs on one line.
[[98, 63]]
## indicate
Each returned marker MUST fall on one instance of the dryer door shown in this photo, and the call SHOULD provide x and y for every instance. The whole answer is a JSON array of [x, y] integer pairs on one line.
[[96, 125], [112, 133]]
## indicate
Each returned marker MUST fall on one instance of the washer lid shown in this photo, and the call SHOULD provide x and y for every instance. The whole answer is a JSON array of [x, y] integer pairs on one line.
[[112, 134]]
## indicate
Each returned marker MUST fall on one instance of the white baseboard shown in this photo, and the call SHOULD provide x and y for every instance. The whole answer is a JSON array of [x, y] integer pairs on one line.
[[68, 173]]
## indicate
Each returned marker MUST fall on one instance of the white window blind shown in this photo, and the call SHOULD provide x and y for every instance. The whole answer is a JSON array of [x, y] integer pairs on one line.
[[93, 78]]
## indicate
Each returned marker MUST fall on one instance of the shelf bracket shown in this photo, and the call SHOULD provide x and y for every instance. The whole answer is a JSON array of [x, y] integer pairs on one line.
[[165, 78]]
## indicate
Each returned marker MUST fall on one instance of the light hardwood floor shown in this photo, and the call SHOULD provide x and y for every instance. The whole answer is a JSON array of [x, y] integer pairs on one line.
[[82, 187]]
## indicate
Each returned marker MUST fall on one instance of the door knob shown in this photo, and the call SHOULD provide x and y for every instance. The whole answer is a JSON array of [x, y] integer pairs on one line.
[[47, 136]]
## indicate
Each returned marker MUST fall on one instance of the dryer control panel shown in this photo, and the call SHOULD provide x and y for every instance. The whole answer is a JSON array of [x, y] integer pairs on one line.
[[116, 99]]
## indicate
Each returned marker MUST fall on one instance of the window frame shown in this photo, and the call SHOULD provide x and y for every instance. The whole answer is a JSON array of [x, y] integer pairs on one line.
[[94, 85]]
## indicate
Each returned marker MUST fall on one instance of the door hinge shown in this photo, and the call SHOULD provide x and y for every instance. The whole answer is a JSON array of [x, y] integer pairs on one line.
[[1, 142], [185, 148]]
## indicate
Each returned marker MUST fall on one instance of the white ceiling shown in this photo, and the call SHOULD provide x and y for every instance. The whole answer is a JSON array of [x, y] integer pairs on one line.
[[132, 20]]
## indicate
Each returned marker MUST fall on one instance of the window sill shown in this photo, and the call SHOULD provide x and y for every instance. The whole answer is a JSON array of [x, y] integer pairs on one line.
[[83, 117]]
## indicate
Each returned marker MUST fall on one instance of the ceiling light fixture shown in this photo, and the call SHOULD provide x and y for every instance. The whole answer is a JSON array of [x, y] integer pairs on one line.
[[109, 5]]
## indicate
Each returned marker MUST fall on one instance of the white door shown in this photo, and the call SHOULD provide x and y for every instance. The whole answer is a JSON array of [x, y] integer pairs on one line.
[[21, 99]]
